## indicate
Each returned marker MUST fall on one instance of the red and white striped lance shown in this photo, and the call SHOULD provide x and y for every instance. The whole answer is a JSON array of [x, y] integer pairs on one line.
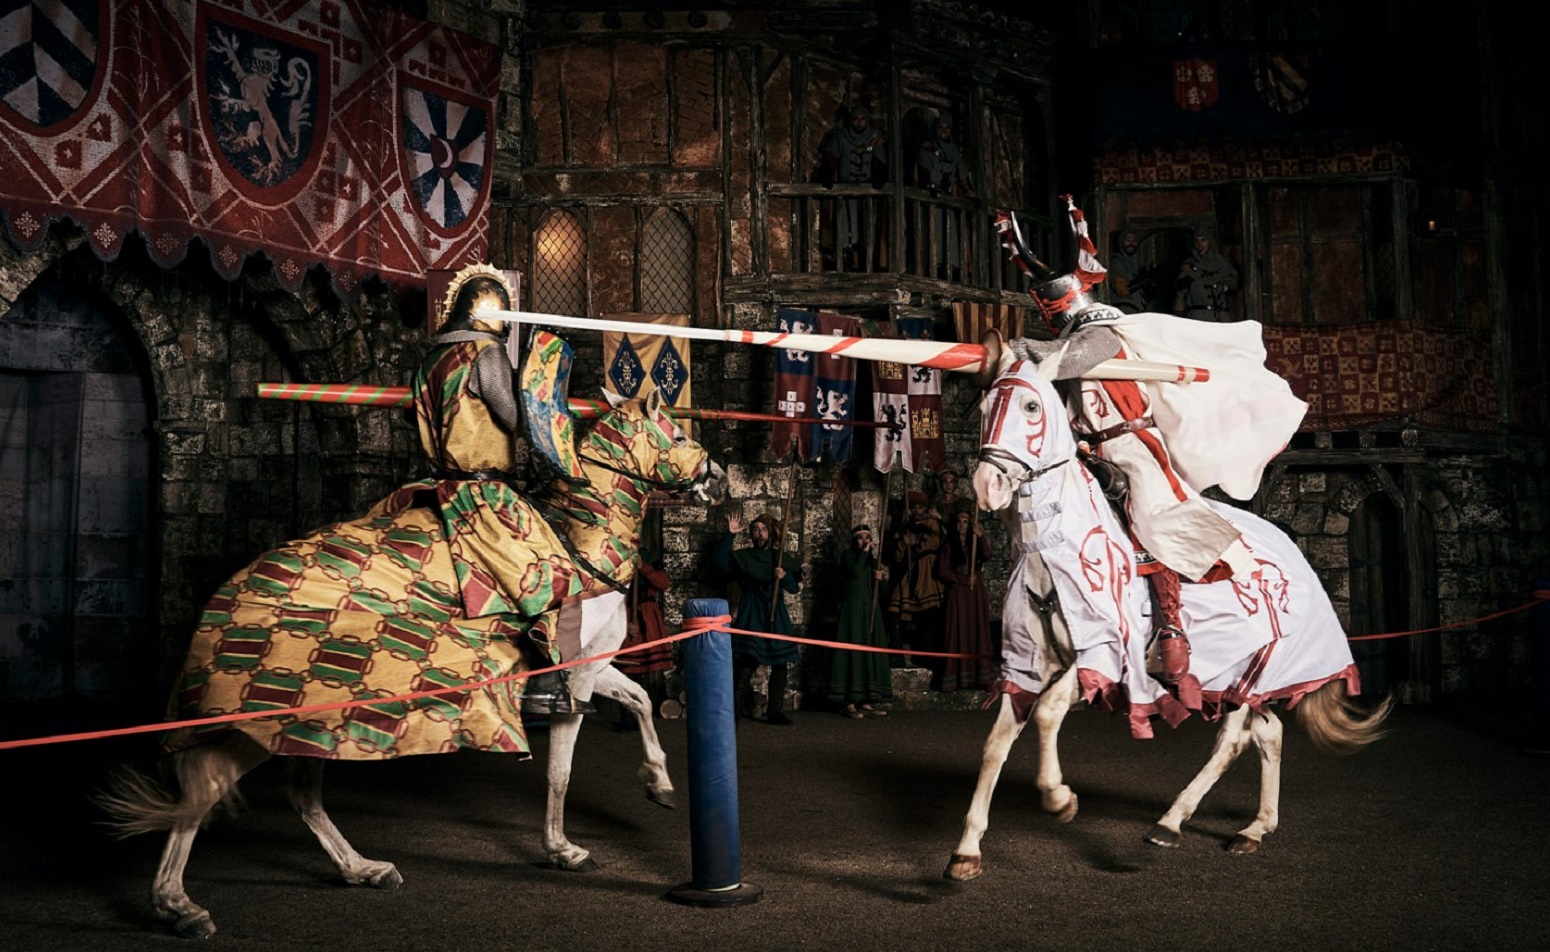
[[938, 355]]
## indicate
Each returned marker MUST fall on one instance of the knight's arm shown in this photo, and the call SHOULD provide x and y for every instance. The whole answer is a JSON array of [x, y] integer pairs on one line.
[[490, 379]]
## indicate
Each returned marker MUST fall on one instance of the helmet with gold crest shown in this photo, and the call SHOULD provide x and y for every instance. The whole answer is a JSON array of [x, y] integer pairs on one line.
[[476, 288]]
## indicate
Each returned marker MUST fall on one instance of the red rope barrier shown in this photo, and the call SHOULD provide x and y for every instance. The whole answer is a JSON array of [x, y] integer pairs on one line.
[[1537, 596], [696, 626]]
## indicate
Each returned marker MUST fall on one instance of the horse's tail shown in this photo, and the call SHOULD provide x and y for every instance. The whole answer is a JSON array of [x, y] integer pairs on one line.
[[136, 803], [1336, 724]]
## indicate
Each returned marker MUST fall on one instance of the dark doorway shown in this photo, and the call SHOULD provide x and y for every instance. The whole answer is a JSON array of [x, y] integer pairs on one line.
[[76, 560], [1380, 593]]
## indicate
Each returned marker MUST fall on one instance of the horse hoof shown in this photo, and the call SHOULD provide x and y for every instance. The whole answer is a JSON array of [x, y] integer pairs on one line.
[[585, 865], [662, 798], [1160, 835], [389, 878], [963, 868], [1066, 813], [1242, 844], [195, 926]]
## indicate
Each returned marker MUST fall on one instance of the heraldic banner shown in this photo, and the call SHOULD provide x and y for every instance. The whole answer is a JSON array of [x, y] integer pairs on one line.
[[834, 392], [927, 444], [324, 132], [640, 363], [891, 405], [793, 386], [973, 320]]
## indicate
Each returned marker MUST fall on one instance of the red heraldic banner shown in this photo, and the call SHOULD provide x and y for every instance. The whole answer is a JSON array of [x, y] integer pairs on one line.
[[793, 386], [928, 446], [318, 132]]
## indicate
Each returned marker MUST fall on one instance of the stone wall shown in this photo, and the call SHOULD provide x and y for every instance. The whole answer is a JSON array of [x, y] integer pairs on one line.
[[231, 475]]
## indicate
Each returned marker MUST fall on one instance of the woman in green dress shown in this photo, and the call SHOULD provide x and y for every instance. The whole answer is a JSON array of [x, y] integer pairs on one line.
[[860, 681]]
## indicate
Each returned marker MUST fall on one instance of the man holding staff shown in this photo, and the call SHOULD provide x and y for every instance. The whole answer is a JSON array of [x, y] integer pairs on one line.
[[761, 572]]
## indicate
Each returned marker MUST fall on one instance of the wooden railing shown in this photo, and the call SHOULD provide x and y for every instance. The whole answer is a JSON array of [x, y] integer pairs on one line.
[[851, 229]]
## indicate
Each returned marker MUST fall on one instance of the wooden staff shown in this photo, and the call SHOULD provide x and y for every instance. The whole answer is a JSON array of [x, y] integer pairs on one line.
[[882, 530], [974, 545], [791, 491]]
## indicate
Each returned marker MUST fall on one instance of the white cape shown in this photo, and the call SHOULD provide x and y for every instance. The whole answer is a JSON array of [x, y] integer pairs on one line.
[[1226, 430]]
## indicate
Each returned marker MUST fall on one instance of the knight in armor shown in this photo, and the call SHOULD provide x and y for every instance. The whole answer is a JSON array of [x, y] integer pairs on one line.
[[1143, 430], [466, 409], [853, 154], [1204, 281]]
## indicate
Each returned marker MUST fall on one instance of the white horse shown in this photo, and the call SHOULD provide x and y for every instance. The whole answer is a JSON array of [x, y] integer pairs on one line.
[[1076, 624], [649, 450]]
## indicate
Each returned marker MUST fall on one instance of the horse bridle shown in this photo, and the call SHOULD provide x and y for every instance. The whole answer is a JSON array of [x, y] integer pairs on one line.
[[644, 480], [998, 457]]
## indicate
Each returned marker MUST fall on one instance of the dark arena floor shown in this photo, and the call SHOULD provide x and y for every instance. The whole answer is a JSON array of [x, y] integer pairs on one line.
[[1434, 838]]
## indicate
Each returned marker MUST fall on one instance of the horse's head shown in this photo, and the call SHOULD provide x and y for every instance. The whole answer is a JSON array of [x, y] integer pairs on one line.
[[639, 438], [1024, 432]]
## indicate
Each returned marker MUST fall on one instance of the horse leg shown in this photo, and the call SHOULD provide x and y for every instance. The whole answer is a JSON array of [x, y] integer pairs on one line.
[[1267, 730], [305, 791], [1234, 735], [207, 775], [612, 683], [1054, 796], [967, 862], [562, 750]]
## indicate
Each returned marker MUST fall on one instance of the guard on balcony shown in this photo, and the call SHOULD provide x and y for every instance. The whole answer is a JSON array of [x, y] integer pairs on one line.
[[853, 154]]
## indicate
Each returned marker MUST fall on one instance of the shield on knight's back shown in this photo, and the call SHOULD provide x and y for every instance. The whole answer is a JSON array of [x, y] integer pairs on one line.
[[545, 399]]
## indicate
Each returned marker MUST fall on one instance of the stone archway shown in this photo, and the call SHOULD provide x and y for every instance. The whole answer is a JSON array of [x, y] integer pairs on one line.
[[227, 475]]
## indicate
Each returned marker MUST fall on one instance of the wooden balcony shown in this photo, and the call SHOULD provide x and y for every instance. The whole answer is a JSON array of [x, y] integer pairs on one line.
[[856, 245]]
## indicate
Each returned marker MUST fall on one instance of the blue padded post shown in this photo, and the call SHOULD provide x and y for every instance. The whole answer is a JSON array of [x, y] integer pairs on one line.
[[713, 829]]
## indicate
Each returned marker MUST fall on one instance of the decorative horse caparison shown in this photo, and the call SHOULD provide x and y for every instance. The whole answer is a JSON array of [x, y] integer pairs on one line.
[[1080, 614], [371, 608]]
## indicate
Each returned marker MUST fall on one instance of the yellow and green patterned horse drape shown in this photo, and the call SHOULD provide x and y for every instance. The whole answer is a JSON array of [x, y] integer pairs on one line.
[[372, 608]]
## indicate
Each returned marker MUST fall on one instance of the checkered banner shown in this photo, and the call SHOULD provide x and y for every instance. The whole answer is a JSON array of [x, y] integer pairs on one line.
[[316, 132]]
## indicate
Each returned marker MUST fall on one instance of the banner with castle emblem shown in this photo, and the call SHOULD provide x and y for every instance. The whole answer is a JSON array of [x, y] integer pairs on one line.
[[793, 386], [314, 132], [637, 364], [928, 447], [834, 392]]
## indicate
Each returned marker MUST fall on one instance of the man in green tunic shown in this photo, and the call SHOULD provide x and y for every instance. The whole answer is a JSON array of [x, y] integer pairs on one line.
[[759, 572], [860, 680]]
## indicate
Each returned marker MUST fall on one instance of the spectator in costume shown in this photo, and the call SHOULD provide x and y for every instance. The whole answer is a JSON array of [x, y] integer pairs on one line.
[[466, 411], [950, 498], [943, 172], [760, 571], [860, 681], [1204, 281], [1128, 286], [916, 602], [853, 154], [966, 615]]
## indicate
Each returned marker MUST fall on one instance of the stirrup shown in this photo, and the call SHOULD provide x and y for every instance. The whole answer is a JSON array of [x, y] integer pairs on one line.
[[1173, 651]]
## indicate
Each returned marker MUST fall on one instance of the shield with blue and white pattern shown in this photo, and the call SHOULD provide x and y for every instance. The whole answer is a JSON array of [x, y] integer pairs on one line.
[[447, 143]]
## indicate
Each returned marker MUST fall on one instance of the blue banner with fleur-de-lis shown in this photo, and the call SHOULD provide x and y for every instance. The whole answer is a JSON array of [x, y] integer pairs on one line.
[[636, 364]]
